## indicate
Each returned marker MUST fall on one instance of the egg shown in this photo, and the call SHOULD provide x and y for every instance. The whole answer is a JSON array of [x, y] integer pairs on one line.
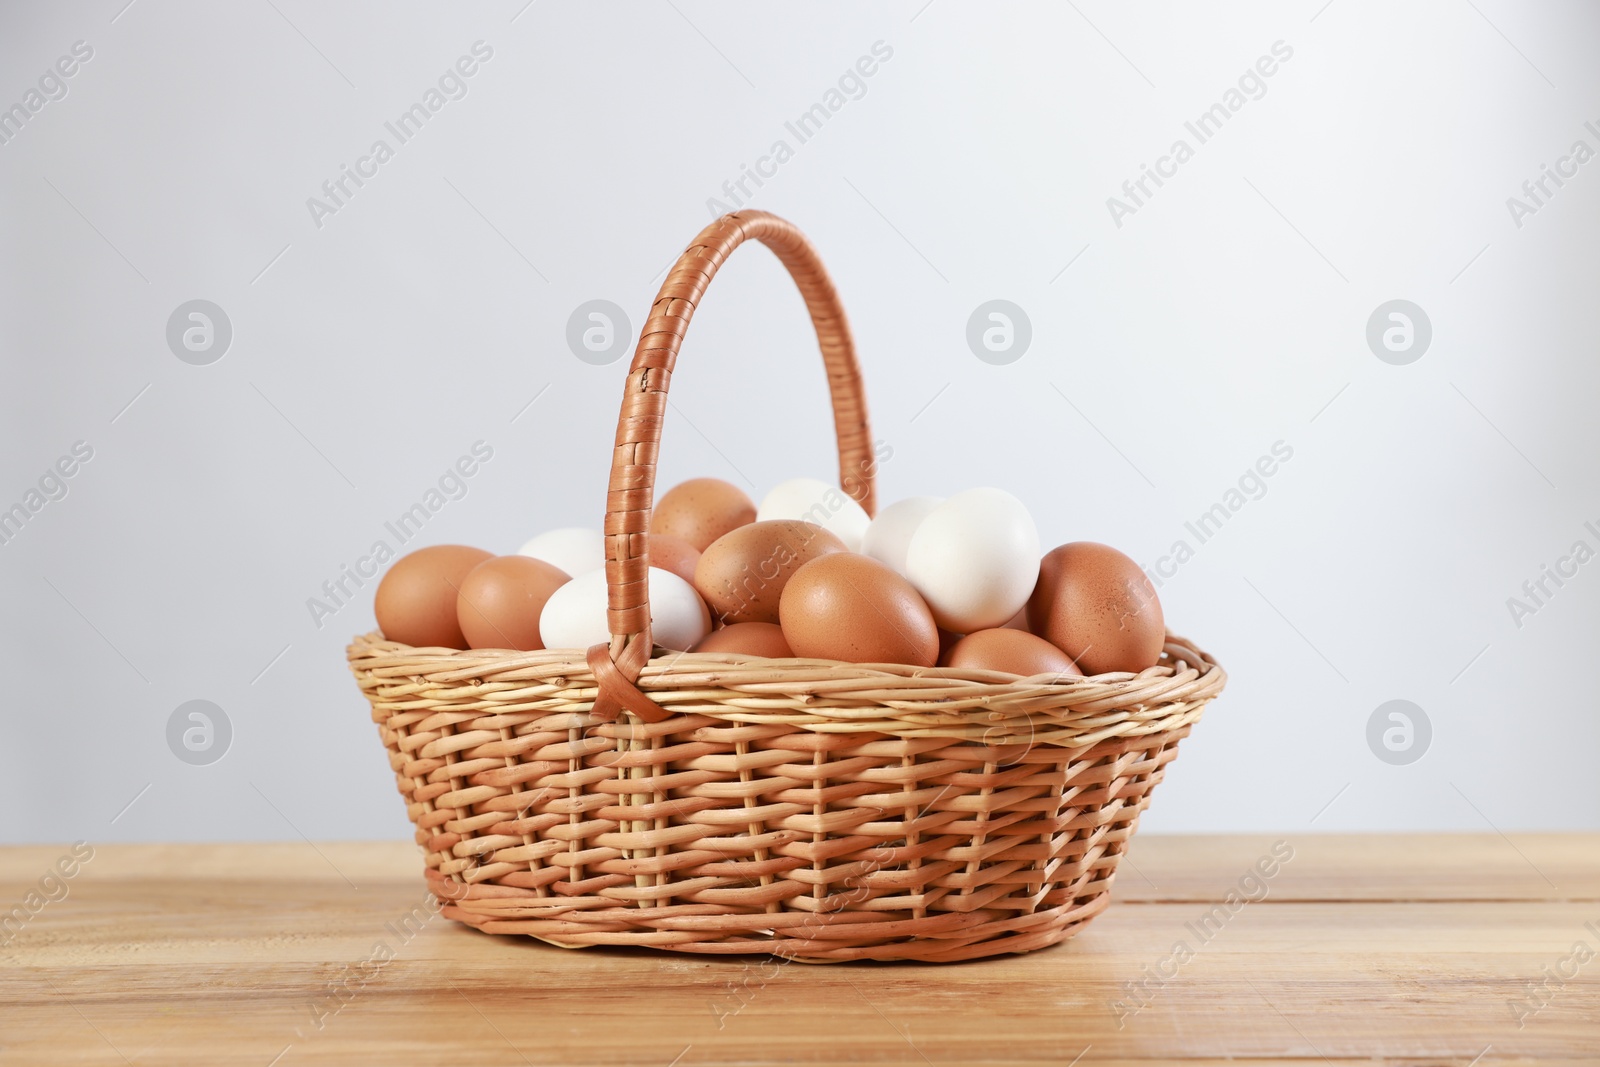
[[575, 614], [749, 639], [742, 574], [1097, 606], [1019, 621], [817, 502], [416, 600], [845, 606], [674, 554], [701, 510], [975, 559], [889, 534], [500, 600], [574, 549], [1012, 651]]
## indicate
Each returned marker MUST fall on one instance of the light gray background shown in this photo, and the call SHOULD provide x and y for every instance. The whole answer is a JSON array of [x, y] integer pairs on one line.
[[1168, 354]]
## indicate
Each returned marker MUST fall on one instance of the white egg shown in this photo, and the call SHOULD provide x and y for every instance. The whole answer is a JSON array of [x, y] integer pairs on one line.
[[817, 502], [574, 549], [887, 539], [575, 614], [975, 559]]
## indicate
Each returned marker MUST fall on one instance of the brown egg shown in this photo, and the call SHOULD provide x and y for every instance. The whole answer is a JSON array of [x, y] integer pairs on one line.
[[674, 554], [701, 510], [749, 639], [850, 607], [500, 601], [1013, 651], [1098, 607], [742, 574], [416, 600]]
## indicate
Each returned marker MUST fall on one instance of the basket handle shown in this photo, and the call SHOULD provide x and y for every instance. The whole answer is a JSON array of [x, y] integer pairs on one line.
[[644, 402]]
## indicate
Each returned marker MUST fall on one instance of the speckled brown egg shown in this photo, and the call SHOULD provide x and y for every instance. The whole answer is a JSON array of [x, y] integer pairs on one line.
[[674, 554], [701, 510], [850, 607], [742, 574], [748, 639], [416, 600], [1097, 606], [1013, 651], [500, 601]]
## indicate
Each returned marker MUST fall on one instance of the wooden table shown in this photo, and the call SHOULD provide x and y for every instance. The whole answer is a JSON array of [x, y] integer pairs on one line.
[[1394, 949]]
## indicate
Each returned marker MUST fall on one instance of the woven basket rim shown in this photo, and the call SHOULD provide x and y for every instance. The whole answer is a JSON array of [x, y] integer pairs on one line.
[[463, 661], [825, 696]]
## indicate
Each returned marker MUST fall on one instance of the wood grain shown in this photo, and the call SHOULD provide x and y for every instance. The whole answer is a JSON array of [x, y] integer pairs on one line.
[[1390, 949]]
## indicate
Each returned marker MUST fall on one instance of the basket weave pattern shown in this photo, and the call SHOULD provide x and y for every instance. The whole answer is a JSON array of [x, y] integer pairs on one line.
[[820, 811], [767, 813]]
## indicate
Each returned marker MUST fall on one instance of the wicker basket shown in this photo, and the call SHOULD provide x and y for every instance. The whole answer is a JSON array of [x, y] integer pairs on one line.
[[814, 810]]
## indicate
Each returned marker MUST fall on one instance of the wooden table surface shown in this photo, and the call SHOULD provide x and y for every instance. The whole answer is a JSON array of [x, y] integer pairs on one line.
[[1394, 949]]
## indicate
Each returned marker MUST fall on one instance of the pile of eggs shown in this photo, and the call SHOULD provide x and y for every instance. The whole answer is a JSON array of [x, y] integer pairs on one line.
[[956, 582]]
